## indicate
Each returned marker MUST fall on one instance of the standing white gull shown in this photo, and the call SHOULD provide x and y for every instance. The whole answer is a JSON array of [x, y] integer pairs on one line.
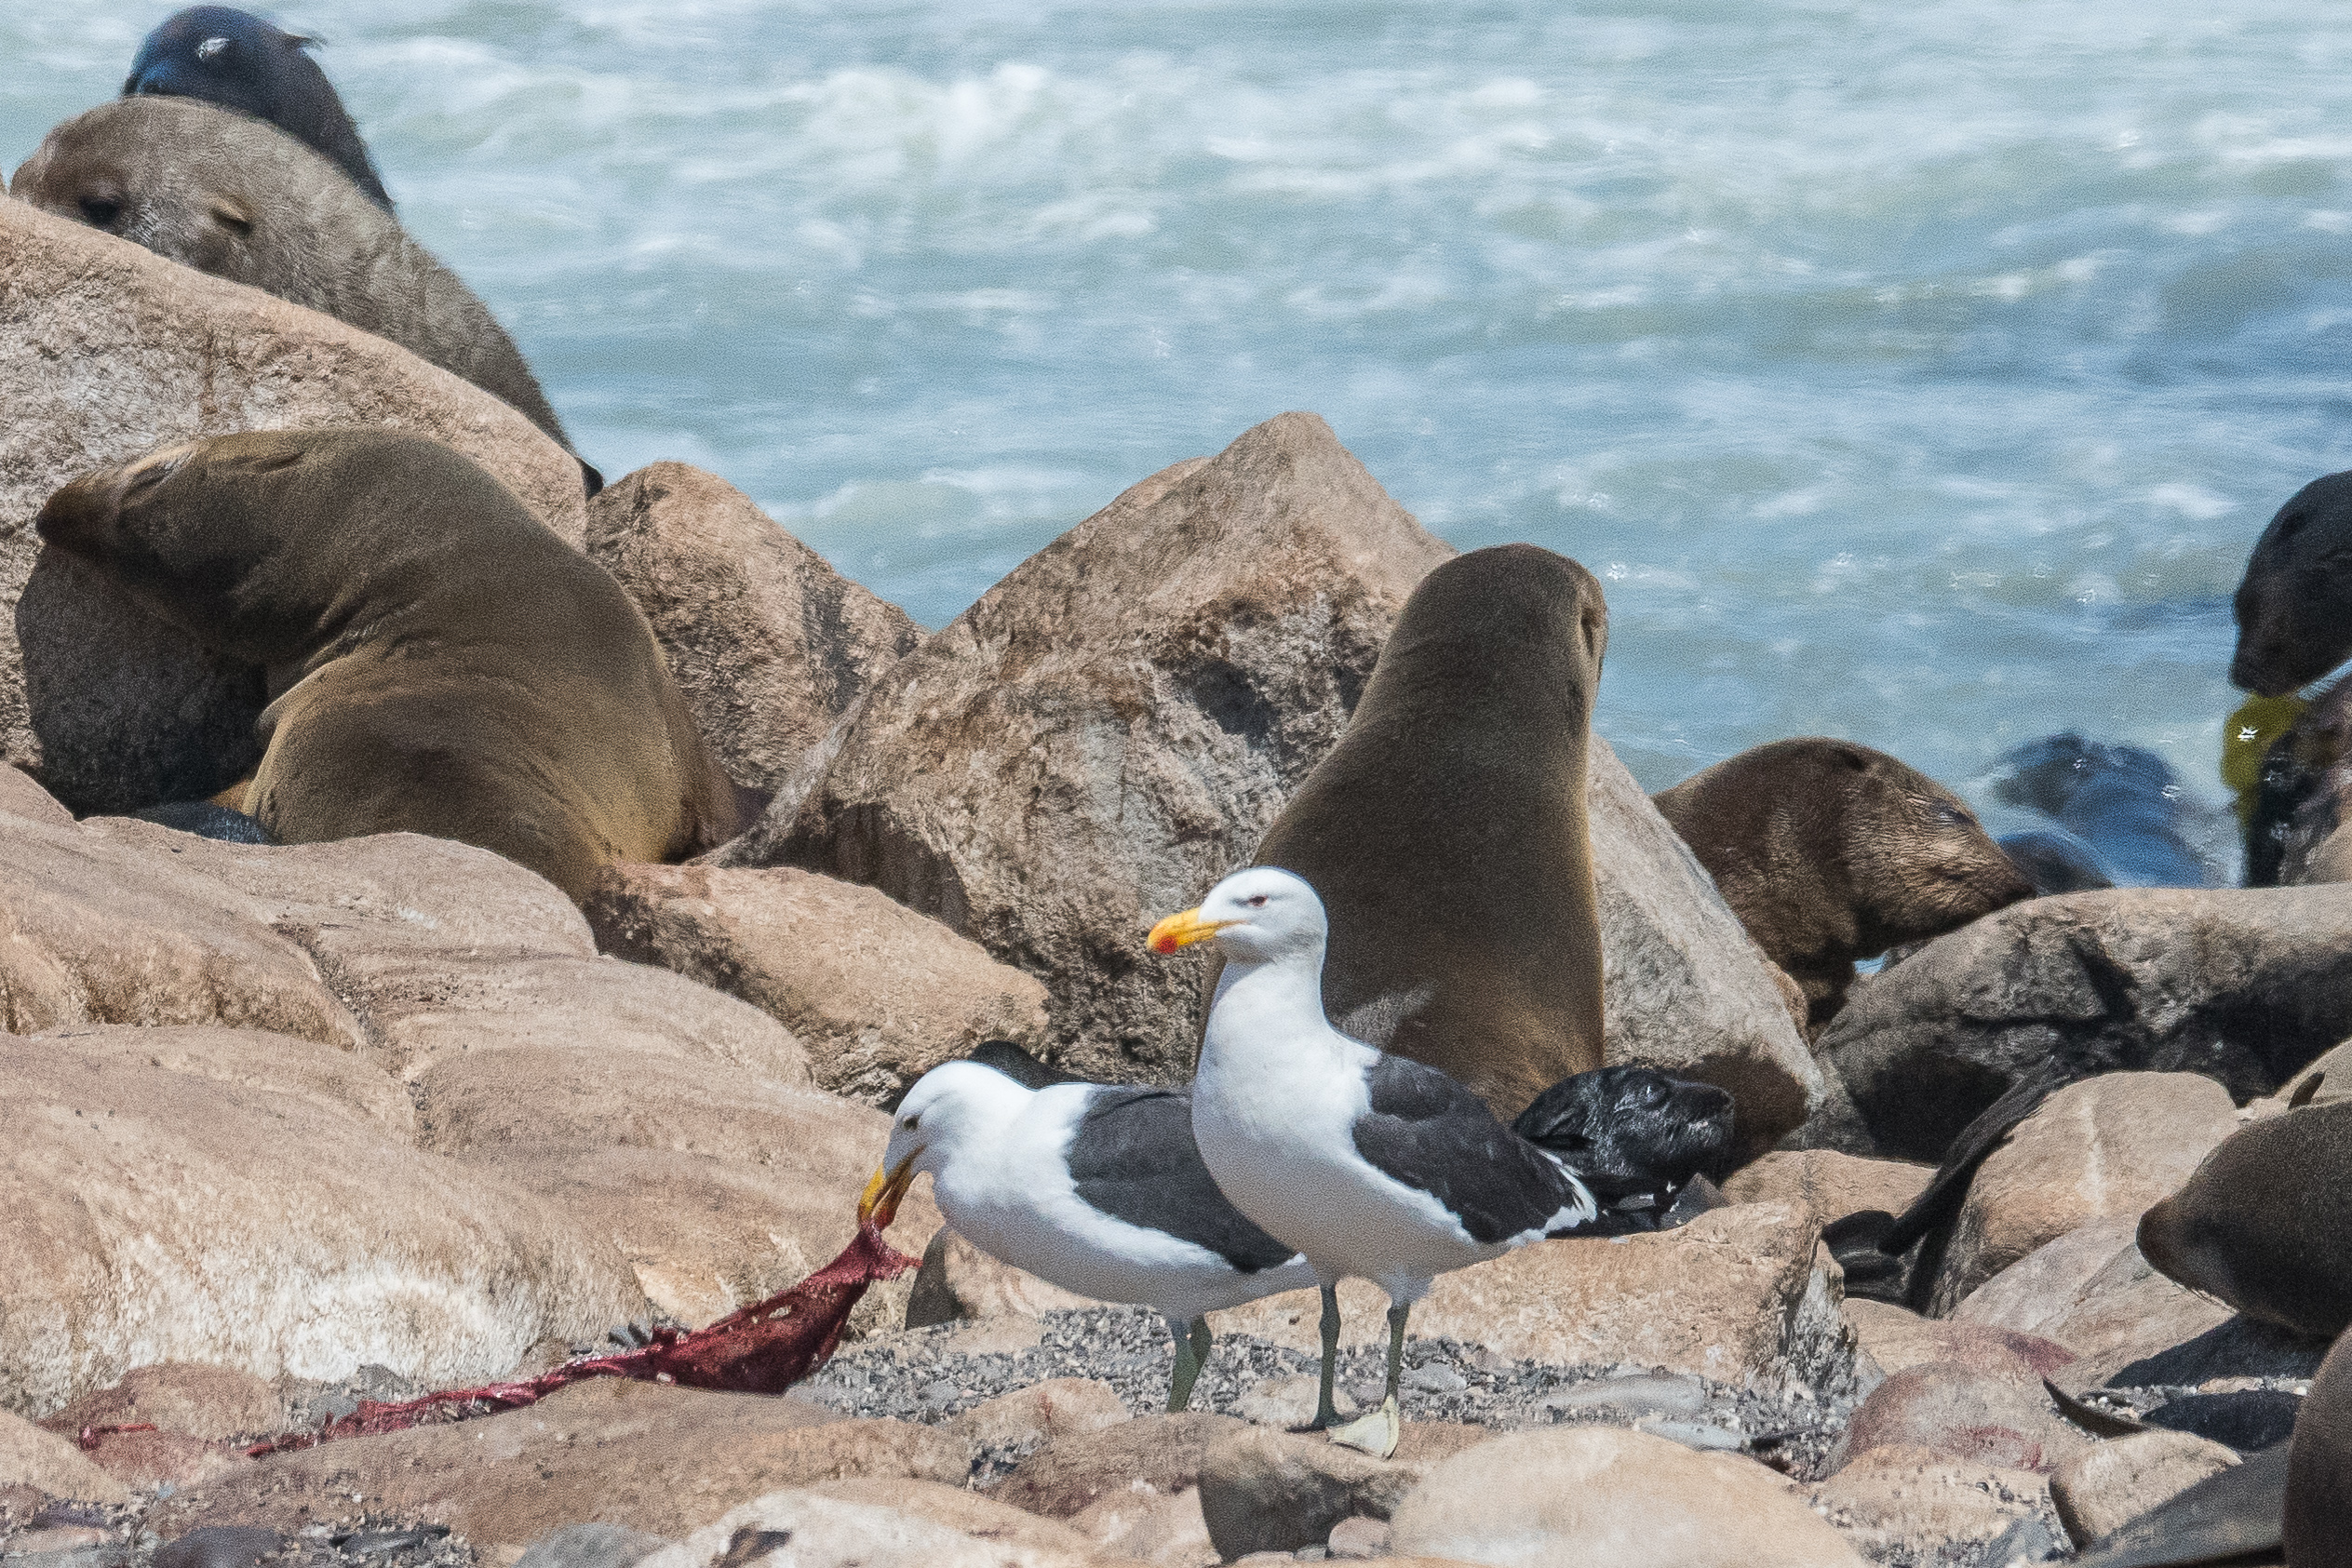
[[1096, 1188], [1371, 1165]]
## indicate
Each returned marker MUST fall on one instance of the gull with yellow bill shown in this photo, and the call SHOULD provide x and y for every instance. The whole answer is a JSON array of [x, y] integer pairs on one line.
[[1092, 1188], [1370, 1165]]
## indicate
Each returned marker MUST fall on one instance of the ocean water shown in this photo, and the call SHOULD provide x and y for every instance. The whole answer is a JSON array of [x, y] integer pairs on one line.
[[1914, 372]]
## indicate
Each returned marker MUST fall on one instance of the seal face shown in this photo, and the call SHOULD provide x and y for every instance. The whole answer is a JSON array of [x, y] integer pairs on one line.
[[2294, 603], [440, 662], [240, 199], [1446, 831], [222, 55], [2265, 1223], [1830, 851]]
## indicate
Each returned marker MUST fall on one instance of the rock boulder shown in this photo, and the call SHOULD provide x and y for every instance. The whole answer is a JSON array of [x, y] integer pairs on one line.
[[769, 644], [108, 351]]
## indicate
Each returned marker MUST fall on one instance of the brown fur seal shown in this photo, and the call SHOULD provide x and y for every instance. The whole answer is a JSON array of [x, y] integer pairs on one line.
[[1829, 852], [441, 663], [1446, 836], [2294, 603], [2319, 1524], [240, 199], [2265, 1223]]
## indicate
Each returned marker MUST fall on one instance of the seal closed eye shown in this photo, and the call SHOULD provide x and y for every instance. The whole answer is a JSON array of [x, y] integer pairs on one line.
[[443, 663]]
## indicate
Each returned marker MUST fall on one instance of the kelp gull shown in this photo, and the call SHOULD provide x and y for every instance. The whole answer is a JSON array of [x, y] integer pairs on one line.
[[1371, 1165], [1094, 1188]]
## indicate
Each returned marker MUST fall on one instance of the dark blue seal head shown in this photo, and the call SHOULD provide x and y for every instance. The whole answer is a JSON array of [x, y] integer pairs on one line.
[[234, 59]]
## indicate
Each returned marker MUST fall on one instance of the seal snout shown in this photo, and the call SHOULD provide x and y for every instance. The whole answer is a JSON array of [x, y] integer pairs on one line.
[[82, 516]]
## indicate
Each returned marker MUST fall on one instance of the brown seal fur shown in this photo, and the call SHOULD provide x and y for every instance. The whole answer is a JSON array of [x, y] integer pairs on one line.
[[2319, 1524], [1446, 831], [1829, 852], [238, 198], [2265, 1223], [441, 663], [2294, 603], [2295, 832]]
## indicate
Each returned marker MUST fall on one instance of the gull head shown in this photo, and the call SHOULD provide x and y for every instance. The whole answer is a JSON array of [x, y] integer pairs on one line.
[[1263, 915], [955, 1107]]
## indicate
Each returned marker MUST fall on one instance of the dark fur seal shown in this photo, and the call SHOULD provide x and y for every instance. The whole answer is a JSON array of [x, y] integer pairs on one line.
[[1446, 831], [2319, 1524], [1639, 1138], [2300, 793], [2294, 603], [242, 200], [222, 55], [1830, 851], [2124, 801], [2265, 1223], [441, 663]]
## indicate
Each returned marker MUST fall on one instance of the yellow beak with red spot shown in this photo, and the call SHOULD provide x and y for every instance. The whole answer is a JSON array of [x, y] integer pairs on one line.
[[1183, 931], [878, 1204]]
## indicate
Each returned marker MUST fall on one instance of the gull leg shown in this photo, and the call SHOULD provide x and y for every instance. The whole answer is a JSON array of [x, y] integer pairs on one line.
[[1191, 1349], [1326, 1413], [1378, 1433]]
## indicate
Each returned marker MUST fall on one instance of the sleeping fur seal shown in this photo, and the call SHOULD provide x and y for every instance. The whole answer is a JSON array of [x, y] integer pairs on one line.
[[234, 59], [1446, 834], [2266, 1222], [237, 198], [440, 662], [1830, 851]]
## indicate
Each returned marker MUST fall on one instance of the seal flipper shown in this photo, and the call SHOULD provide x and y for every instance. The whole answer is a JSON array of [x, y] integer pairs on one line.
[[2221, 1518]]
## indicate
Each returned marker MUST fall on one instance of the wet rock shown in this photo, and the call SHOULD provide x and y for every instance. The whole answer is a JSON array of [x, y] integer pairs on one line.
[[769, 644], [2105, 1148], [1596, 1494], [1739, 1293], [107, 352], [657, 1459], [1269, 1490], [204, 1401], [1827, 1184], [2102, 1490], [876, 994], [1684, 988], [45, 1461], [1999, 1416], [1160, 1454], [958, 1281], [1128, 708], [2244, 985], [1903, 1499]]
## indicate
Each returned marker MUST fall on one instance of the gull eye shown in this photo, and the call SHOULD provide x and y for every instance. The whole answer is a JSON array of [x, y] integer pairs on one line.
[[101, 211], [1256, 901], [913, 1121]]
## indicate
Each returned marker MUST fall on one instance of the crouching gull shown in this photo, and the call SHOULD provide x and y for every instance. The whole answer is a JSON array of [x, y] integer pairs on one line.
[[1371, 1165], [1094, 1188]]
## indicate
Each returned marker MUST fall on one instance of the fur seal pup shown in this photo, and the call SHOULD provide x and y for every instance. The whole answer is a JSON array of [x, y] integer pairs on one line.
[[1446, 831], [234, 59], [1830, 851], [2266, 1222], [440, 662], [1641, 1141], [2319, 1523], [237, 198], [2123, 801], [2294, 603]]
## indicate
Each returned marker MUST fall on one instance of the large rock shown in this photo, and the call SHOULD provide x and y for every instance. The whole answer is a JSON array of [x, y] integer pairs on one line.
[[2245, 986], [1987, 1414], [1737, 1293], [203, 1401], [1151, 1453], [661, 1460], [2102, 1490], [160, 1215], [720, 1188], [1684, 988], [1828, 1185], [1897, 1500], [2105, 1148], [46, 1462], [1113, 727], [808, 1529], [108, 351], [1896, 1338], [876, 994], [769, 644], [1266, 1490], [1599, 1496]]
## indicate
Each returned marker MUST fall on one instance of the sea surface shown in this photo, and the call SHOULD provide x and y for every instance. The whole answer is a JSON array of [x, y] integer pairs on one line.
[[1915, 372]]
